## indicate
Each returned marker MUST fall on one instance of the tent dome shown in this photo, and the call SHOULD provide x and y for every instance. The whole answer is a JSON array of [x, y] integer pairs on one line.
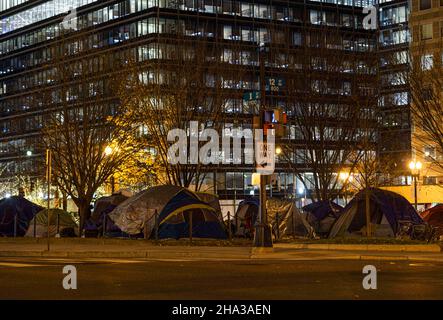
[[65, 221], [19, 207], [173, 206], [387, 209]]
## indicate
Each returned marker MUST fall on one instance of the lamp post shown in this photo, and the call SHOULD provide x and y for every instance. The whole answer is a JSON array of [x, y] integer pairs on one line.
[[415, 167], [344, 177], [108, 151], [48, 177]]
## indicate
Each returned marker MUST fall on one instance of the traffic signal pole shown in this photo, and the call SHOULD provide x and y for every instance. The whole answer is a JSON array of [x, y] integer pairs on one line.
[[262, 236]]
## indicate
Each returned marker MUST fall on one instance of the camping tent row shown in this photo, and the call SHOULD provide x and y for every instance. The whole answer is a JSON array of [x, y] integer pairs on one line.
[[21, 217], [388, 211], [172, 208]]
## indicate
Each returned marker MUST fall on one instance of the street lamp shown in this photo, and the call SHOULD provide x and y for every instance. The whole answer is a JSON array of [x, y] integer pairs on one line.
[[415, 167], [108, 151], [278, 151], [29, 153], [345, 177]]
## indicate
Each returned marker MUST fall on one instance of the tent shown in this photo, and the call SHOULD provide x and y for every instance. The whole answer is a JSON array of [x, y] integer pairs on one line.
[[434, 216], [387, 210], [321, 215], [19, 207], [174, 207], [246, 217], [212, 200], [283, 217], [102, 207], [66, 223]]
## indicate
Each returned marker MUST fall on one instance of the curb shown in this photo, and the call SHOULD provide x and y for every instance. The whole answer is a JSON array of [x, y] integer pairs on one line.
[[251, 255], [426, 248]]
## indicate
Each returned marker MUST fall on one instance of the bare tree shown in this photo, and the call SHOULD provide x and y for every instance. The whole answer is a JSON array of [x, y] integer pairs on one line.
[[326, 120], [426, 82], [86, 145], [189, 79]]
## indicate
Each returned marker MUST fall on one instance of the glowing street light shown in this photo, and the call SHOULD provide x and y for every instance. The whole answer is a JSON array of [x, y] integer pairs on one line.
[[29, 153], [345, 177], [278, 150], [415, 167], [108, 150]]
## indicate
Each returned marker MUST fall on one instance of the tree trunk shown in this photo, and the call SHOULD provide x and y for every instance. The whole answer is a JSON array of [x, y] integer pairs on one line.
[[64, 202], [84, 214]]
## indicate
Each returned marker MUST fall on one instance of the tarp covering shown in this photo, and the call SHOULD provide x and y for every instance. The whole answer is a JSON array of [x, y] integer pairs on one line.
[[290, 220], [322, 215], [387, 209], [18, 206], [173, 206], [434, 216], [102, 207], [66, 221]]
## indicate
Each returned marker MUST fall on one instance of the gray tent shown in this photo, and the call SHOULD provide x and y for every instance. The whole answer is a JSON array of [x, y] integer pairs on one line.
[[175, 207], [291, 222]]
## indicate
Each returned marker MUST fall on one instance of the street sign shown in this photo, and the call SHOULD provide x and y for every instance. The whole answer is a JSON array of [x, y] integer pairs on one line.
[[265, 157], [251, 96], [274, 84]]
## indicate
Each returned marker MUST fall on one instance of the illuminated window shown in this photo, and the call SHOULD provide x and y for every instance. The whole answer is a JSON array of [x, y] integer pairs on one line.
[[426, 31]]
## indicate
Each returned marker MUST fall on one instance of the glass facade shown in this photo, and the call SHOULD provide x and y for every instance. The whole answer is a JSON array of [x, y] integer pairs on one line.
[[133, 29]]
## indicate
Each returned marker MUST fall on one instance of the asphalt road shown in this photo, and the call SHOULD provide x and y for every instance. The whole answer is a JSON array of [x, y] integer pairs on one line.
[[26, 278]]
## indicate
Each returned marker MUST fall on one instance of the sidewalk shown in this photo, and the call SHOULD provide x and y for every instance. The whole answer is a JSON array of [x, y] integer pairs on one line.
[[114, 248]]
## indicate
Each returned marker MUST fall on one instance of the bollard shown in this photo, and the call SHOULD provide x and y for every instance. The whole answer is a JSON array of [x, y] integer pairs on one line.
[[229, 226], [35, 226], [190, 226], [104, 225], [278, 225], [156, 224], [15, 225], [58, 223]]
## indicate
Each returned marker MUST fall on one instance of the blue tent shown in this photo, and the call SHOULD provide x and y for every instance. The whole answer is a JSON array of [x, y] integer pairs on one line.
[[174, 206], [322, 216], [322, 209], [19, 207], [387, 209]]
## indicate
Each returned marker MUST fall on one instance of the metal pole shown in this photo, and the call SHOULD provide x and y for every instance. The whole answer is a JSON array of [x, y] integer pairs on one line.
[[58, 223], [260, 240], [190, 226], [48, 171], [105, 217], [229, 226], [415, 193], [15, 225], [156, 225], [278, 225], [35, 226]]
